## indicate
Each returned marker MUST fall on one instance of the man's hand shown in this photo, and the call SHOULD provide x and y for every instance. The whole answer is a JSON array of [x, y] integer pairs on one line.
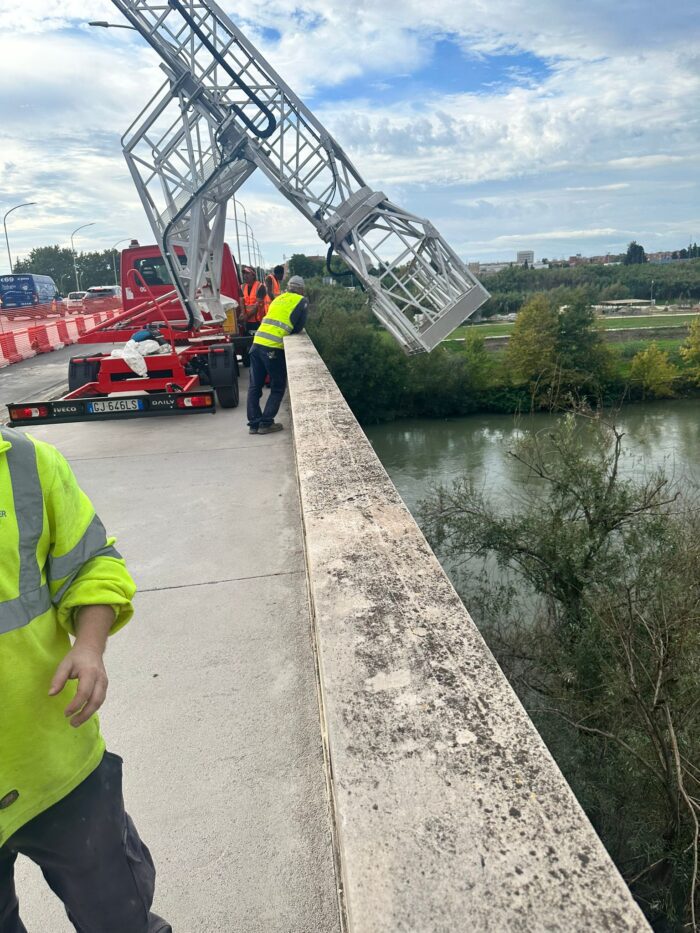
[[84, 663]]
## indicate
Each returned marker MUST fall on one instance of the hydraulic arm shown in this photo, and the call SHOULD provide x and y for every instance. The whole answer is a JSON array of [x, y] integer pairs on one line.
[[222, 113]]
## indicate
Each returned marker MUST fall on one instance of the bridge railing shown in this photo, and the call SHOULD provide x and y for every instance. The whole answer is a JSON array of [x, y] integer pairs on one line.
[[450, 813]]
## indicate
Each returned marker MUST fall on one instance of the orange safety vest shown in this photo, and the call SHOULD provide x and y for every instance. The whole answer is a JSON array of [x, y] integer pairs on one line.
[[254, 309], [275, 286]]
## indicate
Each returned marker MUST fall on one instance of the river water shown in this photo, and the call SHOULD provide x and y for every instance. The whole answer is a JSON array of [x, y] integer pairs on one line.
[[420, 453]]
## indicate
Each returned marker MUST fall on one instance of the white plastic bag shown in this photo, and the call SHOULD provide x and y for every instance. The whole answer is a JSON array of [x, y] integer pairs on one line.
[[133, 353]]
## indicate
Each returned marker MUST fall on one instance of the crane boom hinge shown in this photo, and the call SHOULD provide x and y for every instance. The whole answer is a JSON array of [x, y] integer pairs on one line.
[[350, 214]]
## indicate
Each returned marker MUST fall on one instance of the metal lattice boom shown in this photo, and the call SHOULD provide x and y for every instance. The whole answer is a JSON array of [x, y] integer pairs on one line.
[[223, 112]]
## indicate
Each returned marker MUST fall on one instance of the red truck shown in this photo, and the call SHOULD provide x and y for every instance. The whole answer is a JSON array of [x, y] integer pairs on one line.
[[143, 274], [196, 368]]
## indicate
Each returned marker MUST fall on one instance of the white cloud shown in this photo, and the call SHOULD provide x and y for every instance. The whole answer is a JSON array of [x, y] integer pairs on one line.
[[562, 235], [618, 187], [600, 147]]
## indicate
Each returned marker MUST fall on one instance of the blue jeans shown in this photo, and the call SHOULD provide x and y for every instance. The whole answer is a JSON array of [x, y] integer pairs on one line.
[[91, 857], [264, 361]]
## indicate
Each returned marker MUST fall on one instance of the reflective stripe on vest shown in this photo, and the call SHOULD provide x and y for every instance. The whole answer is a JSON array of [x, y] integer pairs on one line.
[[68, 566], [34, 596], [28, 498], [277, 323]]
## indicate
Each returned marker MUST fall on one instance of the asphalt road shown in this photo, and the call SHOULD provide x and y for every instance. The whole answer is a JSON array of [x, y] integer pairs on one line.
[[213, 696], [32, 379]]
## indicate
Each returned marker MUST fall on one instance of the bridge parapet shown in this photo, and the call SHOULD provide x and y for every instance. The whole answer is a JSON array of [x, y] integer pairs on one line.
[[450, 813]]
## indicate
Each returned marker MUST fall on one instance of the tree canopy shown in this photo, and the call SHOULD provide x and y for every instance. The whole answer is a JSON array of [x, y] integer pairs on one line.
[[635, 254], [94, 268], [590, 599]]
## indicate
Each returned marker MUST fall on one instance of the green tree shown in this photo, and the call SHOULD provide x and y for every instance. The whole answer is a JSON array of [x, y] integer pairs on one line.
[[306, 266], [584, 358], [594, 615], [654, 372], [635, 254], [553, 350], [94, 268], [690, 351], [615, 292], [531, 356], [366, 363], [56, 261]]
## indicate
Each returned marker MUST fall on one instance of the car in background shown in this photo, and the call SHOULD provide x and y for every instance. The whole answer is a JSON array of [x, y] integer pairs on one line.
[[74, 302], [28, 295], [102, 298]]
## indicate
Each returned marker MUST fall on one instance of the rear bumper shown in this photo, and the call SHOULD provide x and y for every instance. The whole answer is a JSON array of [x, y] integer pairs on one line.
[[110, 408]]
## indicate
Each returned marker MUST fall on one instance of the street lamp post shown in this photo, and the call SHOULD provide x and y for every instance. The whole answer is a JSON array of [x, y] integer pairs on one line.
[[652, 293], [72, 246], [4, 223], [114, 254], [238, 238], [105, 25], [236, 204]]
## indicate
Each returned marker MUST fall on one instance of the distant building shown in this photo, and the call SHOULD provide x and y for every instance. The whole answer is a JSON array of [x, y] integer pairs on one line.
[[490, 268], [525, 256]]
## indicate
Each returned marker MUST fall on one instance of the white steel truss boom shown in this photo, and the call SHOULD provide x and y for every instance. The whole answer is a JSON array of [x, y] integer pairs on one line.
[[223, 112]]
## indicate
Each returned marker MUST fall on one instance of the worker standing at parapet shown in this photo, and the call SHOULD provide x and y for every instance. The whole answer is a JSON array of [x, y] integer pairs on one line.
[[286, 315], [61, 801], [253, 300]]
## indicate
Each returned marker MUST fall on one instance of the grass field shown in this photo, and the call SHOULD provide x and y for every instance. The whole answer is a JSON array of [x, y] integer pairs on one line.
[[620, 323], [648, 320]]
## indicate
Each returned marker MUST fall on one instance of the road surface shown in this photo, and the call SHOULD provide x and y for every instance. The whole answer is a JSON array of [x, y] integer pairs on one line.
[[213, 699]]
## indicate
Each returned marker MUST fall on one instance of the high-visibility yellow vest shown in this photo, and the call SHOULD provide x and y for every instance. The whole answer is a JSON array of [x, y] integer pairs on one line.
[[55, 557], [277, 323]]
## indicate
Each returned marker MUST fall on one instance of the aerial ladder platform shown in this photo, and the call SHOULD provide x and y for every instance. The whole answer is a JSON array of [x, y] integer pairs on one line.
[[222, 113]]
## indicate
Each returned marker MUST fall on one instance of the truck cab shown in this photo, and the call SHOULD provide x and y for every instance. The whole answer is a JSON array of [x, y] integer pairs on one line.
[[144, 275]]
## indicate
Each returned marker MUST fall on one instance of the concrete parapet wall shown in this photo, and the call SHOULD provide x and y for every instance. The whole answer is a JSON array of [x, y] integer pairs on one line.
[[450, 813]]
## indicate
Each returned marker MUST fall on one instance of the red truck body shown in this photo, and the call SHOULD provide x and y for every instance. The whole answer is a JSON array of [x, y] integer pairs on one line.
[[197, 369], [143, 270]]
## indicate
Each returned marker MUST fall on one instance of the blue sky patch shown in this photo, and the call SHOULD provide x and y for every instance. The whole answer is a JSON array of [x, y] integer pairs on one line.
[[449, 70]]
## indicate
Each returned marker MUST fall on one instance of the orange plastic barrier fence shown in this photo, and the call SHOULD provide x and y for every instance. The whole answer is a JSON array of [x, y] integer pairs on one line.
[[25, 332]]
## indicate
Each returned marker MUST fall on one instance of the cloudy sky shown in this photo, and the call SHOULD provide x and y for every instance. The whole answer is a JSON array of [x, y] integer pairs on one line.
[[552, 125]]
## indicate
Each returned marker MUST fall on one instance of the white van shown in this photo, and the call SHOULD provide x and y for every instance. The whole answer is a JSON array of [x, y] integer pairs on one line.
[[74, 301]]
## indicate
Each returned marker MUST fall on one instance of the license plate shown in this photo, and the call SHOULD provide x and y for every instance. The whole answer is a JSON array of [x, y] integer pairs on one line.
[[115, 404]]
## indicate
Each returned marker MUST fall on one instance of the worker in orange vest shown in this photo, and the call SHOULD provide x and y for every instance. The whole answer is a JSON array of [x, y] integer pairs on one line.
[[273, 285], [254, 293]]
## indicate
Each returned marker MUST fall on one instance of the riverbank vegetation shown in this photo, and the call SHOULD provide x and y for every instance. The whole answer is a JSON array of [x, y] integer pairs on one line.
[[677, 282], [587, 589], [550, 355]]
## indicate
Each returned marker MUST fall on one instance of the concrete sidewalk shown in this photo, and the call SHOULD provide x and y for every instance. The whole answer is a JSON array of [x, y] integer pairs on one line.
[[213, 696]]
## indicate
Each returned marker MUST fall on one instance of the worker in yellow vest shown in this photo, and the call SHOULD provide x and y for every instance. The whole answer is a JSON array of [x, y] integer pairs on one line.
[[286, 315], [61, 802]]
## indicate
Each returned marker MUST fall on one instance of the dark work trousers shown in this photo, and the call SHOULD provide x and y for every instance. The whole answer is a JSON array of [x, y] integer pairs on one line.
[[264, 361], [91, 857]]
